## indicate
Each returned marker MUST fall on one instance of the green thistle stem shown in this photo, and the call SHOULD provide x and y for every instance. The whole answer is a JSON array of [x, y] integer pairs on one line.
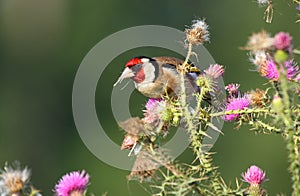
[[286, 115], [296, 51], [245, 111], [195, 134], [292, 140], [293, 151], [254, 190], [199, 100], [296, 1], [190, 47]]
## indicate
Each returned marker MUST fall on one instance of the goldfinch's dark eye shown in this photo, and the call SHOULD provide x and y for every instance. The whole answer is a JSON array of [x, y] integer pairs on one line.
[[136, 68]]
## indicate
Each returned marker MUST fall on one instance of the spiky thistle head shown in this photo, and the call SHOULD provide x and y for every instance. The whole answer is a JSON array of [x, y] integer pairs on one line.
[[254, 176], [259, 58], [14, 179], [283, 41], [233, 90], [206, 83], [263, 2], [198, 33], [259, 41], [215, 71], [257, 97], [236, 104], [72, 184]]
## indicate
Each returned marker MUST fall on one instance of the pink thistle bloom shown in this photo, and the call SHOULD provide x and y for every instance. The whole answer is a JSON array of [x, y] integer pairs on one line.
[[233, 90], [254, 176], [215, 71], [291, 69], [271, 71], [152, 103], [282, 40], [239, 103], [72, 182], [154, 108]]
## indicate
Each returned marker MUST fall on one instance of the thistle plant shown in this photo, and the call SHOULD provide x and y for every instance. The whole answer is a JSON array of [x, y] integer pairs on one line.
[[143, 136], [273, 110]]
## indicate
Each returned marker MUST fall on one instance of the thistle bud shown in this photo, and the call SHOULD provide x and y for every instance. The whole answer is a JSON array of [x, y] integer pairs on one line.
[[281, 56], [277, 104]]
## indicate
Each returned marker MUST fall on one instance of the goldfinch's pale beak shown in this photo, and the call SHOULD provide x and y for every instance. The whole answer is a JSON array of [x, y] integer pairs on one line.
[[127, 73]]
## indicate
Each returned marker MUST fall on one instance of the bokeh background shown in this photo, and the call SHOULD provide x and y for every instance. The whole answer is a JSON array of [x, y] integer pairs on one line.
[[42, 43]]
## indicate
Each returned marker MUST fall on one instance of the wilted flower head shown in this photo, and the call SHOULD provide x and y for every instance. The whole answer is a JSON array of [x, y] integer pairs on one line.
[[234, 104], [198, 33], [144, 167], [282, 41], [259, 41], [233, 90], [14, 180], [257, 97], [262, 2], [129, 141], [215, 71], [254, 176], [74, 183], [259, 59]]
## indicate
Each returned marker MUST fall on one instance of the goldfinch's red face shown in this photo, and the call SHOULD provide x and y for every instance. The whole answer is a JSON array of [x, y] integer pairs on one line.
[[138, 69]]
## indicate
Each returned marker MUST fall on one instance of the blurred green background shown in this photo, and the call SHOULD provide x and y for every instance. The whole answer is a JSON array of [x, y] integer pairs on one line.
[[42, 43]]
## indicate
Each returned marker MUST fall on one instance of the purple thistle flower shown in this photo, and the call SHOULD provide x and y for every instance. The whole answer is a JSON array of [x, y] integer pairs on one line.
[[239, 103], [72, 182], [215, 71], [298, 7], [233, 90], [291, 69], [152, 103], [270, 71], [154, 108], [254, 176], [282, 40]]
